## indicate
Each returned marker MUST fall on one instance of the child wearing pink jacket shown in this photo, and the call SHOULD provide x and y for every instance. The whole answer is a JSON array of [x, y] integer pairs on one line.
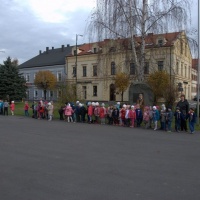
[[68, 113]]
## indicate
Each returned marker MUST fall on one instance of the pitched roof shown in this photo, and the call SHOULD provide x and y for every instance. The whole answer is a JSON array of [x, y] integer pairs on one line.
[[48, 58], [150, 40]]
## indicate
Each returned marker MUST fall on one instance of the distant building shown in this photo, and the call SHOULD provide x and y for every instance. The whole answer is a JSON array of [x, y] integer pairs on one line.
[[52, 60]]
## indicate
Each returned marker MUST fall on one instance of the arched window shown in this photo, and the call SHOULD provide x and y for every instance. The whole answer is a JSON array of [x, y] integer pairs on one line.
[[113, 68]]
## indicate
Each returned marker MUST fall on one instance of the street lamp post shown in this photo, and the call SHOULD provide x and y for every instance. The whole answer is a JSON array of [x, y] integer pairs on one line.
[[76, 60]]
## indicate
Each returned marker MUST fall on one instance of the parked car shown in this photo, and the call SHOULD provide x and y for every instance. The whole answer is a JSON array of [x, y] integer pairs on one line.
[[195, 98]]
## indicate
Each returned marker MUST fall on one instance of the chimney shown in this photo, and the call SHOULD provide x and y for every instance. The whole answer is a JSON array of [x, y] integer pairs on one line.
[[68, 45], [47, 50], [40, 52], [52, 48], [62, 47]]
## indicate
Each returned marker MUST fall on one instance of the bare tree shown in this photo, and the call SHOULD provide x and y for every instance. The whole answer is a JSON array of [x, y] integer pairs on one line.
[[128, 18]]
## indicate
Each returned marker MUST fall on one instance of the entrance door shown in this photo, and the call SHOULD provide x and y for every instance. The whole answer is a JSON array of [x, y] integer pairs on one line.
[[112, 92]]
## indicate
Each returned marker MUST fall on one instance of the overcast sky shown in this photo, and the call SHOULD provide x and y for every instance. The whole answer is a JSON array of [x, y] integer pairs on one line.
[[27, 26]]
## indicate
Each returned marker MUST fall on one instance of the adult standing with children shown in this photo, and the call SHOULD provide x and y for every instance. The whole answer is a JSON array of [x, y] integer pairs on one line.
[[184, 109]]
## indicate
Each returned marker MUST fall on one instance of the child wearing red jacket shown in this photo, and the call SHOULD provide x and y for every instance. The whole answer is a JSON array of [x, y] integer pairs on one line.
[[26, 107], [12, 107], [102, 113], [90, 112], [132, 116]]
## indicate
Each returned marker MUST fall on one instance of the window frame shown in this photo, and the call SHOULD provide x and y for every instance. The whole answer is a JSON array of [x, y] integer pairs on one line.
[[95, 90], [159, 65]]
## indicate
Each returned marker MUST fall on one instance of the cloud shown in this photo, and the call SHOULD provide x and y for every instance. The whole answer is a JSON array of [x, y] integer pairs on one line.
[[25, 30], [28, 26]]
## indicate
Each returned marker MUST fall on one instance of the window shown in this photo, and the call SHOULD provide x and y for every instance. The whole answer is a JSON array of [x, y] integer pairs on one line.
[[84, 71], [95, 91], [84, 88], [95, 50], [95, 70], [132, 68], [112, 49], [74, 52], [112, 68], [51, 94], [27, 94], [59, 76], [146, 68], [160, 65], [27, 77], [160, 42], [74, 72], [35, 93]]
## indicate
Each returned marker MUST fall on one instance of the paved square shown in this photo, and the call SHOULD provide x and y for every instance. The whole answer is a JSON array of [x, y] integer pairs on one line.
[[41, 160]]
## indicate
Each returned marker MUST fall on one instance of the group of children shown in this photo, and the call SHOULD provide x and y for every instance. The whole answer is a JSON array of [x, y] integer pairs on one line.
[[127, 115], [119, 115], [4, 105]]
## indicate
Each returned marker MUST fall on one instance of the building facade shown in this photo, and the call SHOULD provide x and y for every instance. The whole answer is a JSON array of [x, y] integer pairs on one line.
[[52, 60], [98, 63]]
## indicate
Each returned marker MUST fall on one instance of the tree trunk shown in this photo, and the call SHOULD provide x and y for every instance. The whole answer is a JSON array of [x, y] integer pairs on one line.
[[143, 28]]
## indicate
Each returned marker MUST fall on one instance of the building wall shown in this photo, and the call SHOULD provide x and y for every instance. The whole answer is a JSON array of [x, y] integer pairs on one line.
[[177, 63], [33, 93]]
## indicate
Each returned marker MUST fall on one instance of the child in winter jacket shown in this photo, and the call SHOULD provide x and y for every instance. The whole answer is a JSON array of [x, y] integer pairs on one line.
[[127, 119], [178, 117], [90, 112], [26, 107], [122, 115], [102, 113], [96, 112], [139, 115], [12, 107], [156, 117], [68, 113], [169, 118], [115, 115], [132, 116], [192, 119], [146, 117], [109, 115]]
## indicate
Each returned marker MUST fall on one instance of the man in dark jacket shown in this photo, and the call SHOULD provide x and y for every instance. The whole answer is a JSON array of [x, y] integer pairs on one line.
[[184, 108]]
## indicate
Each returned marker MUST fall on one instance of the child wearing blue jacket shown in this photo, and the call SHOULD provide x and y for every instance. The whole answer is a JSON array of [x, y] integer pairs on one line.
[[139, 115], [178, 118], [192, 119], [169, 118]]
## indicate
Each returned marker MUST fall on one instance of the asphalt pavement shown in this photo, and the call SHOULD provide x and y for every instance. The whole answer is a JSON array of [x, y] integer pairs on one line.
[[42, 160]]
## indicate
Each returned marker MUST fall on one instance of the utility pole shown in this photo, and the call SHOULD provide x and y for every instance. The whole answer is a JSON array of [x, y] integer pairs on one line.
[[198, 69]]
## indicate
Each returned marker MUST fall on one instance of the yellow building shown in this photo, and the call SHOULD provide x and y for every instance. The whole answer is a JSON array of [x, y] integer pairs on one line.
[[98, 63]]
